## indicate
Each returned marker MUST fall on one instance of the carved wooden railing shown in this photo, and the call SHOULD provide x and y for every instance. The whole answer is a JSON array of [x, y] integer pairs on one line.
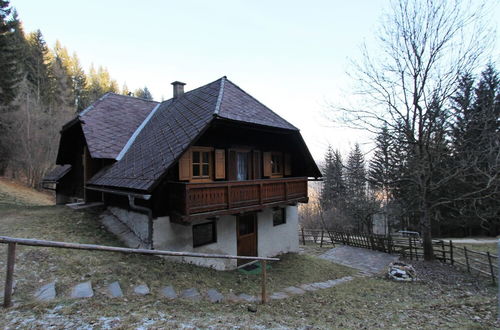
[[193, 198]]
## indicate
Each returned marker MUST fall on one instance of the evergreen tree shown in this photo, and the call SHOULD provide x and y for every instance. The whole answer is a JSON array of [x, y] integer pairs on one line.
[[11, 39], [380, 174], [143, 93], [37, 66], [356, 174], [79, 83], [333, 188], [476, 139]]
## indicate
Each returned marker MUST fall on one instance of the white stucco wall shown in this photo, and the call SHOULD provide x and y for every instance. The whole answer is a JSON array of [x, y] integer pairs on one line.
[[274, 240], [175, 237], [271, 240]]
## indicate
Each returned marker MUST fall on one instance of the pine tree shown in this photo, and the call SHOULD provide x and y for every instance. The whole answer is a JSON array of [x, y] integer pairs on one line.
[[11, 40], [79, 82], [381, 171], [143, 93], [328, 188], [37, 66], [356, 174], [476, 152]]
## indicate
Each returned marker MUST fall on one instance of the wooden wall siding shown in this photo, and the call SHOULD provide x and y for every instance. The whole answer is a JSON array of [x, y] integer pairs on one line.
[[215, 196]]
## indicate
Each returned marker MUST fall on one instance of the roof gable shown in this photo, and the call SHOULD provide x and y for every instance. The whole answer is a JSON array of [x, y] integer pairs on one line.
[[236, 104], [170, 131], [110, 122]]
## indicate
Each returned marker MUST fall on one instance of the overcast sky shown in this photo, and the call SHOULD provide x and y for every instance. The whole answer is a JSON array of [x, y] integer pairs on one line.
[[290, 55]]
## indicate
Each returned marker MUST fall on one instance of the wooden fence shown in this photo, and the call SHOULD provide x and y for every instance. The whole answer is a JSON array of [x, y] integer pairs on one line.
[[11, 257], [481, 263]]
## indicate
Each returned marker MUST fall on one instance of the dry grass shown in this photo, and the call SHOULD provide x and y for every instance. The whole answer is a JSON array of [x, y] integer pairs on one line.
[[12, 192], [483, 247], [362, 303]]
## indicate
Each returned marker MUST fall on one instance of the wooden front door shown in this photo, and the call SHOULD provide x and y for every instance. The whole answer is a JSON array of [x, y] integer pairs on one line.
[[246, 234]]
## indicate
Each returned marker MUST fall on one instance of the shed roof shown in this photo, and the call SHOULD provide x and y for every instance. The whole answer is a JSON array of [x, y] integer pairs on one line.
[[57, 173]]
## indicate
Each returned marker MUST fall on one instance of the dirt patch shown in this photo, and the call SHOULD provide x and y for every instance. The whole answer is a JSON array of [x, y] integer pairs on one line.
[[13, 192]]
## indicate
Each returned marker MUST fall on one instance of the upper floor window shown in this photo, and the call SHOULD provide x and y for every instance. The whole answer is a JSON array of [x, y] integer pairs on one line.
[[276, 164], [201, 163]]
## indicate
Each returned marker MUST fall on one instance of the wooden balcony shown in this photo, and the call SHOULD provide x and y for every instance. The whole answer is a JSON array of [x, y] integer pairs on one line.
[[198, 200]]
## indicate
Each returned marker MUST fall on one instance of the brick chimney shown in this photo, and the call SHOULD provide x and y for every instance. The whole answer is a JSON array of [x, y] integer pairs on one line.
[[178, 88]]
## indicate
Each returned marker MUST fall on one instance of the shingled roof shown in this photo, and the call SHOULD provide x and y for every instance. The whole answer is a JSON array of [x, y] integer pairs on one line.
[[110, 122], [172, 127]]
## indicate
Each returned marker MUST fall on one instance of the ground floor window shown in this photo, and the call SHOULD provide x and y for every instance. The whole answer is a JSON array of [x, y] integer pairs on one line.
[[279, 216], [204, 233]]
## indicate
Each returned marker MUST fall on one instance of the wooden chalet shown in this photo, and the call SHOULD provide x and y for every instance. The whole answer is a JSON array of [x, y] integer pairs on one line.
[[210, 170]]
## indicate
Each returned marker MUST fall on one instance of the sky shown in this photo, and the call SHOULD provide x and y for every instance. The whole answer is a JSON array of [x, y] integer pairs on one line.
[[290, 55]]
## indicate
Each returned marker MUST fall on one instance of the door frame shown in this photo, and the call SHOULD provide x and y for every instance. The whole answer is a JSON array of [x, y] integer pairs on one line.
[[242, 262]]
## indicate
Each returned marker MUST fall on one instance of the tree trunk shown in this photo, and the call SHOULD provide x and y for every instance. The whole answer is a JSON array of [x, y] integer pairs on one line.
[[425, 225]]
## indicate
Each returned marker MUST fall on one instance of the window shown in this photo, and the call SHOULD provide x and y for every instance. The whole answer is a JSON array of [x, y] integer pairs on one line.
[[205, 233], [279, 216], [276, 164], [201, 164]]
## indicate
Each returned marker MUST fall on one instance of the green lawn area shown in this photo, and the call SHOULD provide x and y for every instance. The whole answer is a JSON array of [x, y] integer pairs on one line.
[[361, 303]]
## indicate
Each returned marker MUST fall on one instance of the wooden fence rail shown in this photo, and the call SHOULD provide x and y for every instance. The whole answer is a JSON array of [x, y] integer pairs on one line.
[[11, 256], [481, 263]]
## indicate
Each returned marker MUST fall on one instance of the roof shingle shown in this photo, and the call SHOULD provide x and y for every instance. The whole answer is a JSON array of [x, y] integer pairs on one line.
[[173, 127], [110, 122]]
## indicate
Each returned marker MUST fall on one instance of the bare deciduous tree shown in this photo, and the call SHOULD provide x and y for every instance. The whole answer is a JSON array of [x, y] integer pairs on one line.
[[424, 46]]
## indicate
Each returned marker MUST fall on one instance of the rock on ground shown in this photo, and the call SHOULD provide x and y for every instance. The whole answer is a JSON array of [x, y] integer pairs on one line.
[[141, 289], [168, 292], [214, 296], [191, 294], [82, 290], [115, 290], [46, 292]]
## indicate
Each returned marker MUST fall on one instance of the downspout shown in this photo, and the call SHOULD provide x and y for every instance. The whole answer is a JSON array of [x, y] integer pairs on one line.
[[149, 213]]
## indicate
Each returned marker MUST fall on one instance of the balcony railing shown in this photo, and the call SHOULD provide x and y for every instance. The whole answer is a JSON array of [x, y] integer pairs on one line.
[[189, 199]]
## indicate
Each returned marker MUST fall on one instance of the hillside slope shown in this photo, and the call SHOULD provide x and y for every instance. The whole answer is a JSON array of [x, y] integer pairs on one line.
[[12, 192]]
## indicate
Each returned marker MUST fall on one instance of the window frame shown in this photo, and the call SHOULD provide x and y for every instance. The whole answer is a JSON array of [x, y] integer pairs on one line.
[[279, 156], [213, 240], [283, 215], [201, 150]]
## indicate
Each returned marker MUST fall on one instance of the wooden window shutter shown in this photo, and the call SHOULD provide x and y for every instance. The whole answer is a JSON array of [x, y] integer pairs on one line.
[[231, 165], [288, 164], [185, 166], [220, 164], [267, 166], [257, 165]]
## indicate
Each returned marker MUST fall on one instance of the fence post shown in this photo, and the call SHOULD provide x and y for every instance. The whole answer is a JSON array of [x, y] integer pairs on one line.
[[451, 252], [11, 260], [466, 259], [415, 247], [389, 244], [491, 267], [264, 280], [443, 252], [321, 243], [409, 242], [303, 237]]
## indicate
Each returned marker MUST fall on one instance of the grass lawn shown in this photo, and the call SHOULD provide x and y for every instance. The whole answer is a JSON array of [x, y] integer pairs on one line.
[[436, 301], [484, 247]]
